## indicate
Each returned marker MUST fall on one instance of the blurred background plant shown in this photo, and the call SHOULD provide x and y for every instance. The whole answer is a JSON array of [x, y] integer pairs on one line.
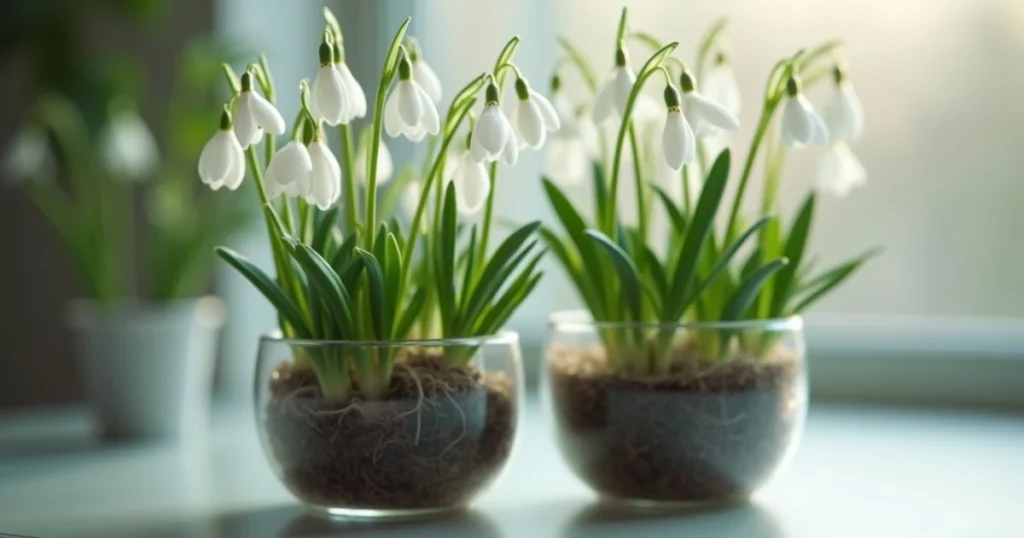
[[86, 159]]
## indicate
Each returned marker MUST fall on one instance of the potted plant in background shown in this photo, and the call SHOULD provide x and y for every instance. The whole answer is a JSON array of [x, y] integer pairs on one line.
[[146, 335], [683, 381], [390, 388]]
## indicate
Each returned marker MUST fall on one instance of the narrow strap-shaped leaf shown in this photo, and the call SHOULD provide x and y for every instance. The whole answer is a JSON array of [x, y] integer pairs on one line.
[[394, 286], [796, 243], [753, 262], [332, 289], [445, 261], [745, 294], [285, 307], [499, 311], [592, 264], [676, 218], [571, 265], [467, 277], [504, 260], [410, 313], [325, 223], [344, 252], [629, 276], [723, 260], [395, 227], [378, 295], [685, 267], [816, 288], [600, 187]]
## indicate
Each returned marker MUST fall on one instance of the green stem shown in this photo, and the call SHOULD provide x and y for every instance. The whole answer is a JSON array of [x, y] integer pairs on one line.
[[687, 199], [485, 234], [643, 218], [348, 179], [748, 166]]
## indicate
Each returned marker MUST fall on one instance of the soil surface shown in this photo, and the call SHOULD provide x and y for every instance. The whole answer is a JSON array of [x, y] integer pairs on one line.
[[439, 435], [705, 432]]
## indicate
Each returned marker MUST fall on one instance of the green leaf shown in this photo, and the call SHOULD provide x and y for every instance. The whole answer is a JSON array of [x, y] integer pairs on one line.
[[332, 290], [344, 253], [600, 187], [505, 259], [629, 276], [826, 282], [577, 57], [325, 223], [723, 260], [676, 218], [378, 295], [796, 243], [445, 262], [592, 265], [744, 296], [571, 265], [467, 277], [394, 286], [411, 312], [696, 236], [285, 307], [501, 309]]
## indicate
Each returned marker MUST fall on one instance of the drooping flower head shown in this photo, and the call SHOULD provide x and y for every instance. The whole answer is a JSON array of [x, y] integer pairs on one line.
[[254, 115], [409, 111], [423, 73], [533, 116], [719, 84], [355, 96], [678, 140], [842, 112], [329, 99], [706, 117], [614, 93], [493, 137], [221, 163], [801, 125]]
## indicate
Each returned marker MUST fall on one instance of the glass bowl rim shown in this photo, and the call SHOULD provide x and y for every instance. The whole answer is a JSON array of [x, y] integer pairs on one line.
[[503, 337], [580, 320]]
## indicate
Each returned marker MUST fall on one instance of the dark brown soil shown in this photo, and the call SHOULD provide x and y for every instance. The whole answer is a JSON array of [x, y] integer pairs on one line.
[[703, 433], [440, 434]]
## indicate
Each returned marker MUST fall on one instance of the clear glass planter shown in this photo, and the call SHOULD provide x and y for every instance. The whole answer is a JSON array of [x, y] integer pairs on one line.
[[434, 437], [675, 415]]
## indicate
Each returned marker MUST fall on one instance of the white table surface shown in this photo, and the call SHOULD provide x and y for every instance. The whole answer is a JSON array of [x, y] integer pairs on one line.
[[861, 472]]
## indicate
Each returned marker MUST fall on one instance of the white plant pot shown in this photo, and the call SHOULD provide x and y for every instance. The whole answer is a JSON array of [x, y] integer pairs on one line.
[[148, 368]]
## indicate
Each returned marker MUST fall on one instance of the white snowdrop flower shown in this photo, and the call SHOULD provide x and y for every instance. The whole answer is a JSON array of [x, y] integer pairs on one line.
[[839, 171], [719, 84], [127, 147], [221, 163], [385, 164], [409, 110], [492, 136], [353, 90], [614, 93], [705, 116], [329, 100], [677, 140], [533, 116], [255, 115], [425, 75], [28, 157], [842, 111], [801, 125], [325, 185], [472, 184], [290, 172], [568, 125]]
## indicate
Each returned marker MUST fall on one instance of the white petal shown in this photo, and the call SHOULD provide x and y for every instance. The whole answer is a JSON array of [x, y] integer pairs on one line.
[[215, 159], [265, 115], [28, 156], [622, 86], [410, 110], [843, 114], [329, 96], [356, 96], [529, 123], [839, 170], [292, 168], [430, 122], [385, 166], [674, 140], [472, 185], [568, 124], [245, 124], [510, 155], [326, 175], [236, 172], [796, 122], [128, 148], [604, 105], [567, 161], [710, 112], [547, 110], [819, 131], [491, 134], [392, 118], [425, 76], [720, 85]]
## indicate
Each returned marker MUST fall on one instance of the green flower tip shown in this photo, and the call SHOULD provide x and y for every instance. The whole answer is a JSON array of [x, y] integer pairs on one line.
[[492, 94], [326, 54], [339, 55], [722, 58], [225, 119], [621, 59], [672, 99], [839, 74], [687, 82], [404, 68], [522, 89], [793, 86], [246, 80], [556, 83]]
